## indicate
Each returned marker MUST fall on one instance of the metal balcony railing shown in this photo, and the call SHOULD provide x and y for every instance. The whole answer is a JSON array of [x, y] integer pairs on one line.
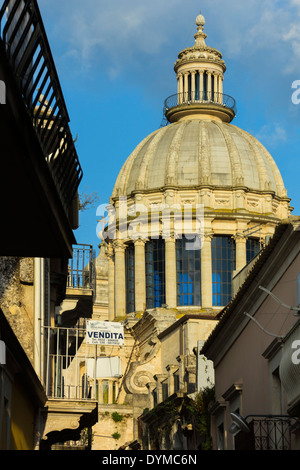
[[72, 369], [273, 432], [204, 98], [81, 273], [27, 49]]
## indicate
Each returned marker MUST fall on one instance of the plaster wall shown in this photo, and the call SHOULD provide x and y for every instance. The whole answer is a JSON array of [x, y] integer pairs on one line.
[[244, 363]]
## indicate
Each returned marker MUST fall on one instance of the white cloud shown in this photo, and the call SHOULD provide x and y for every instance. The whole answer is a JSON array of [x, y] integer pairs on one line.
[[271, 135], [113, 37]]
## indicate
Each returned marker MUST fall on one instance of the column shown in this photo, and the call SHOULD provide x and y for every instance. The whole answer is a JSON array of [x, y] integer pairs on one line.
[[241, 254], [171, 275], [193, 86], [186, 87], [206, 272], [221, 88], [140, 275], [201, 86], [119, 276], [216, 94], [111, 282], [209, 97], [180, 87]]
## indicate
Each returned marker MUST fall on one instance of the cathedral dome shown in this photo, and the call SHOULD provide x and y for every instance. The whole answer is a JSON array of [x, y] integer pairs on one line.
[[199, 177], [196, 153]]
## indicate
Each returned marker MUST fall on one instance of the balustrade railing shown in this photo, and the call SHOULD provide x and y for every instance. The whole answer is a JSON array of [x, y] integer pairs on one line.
[[195, 97]]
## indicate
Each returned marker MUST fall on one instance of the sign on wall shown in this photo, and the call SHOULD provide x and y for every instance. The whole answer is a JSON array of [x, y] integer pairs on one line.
[[105, 333]]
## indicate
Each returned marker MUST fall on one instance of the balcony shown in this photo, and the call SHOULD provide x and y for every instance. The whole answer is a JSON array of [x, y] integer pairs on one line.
[[267, 433], [40, 168], [192, 103], [69, 369], [80, 288]]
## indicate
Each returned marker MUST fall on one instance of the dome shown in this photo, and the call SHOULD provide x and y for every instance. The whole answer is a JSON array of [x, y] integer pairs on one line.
[[195, 153]]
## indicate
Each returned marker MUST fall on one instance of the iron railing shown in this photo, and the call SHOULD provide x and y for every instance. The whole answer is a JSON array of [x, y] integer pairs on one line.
[[26, 46], [81, 273], [267, 432], [206, 97], [272, 433]]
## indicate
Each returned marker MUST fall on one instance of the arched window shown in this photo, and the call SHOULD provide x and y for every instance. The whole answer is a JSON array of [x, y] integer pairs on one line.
[[252, 248], [155, 273], [130, 279], [188, 267], [223, 265]]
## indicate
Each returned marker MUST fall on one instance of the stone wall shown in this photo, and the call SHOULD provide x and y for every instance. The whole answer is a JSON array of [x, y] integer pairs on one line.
[[17, 298]]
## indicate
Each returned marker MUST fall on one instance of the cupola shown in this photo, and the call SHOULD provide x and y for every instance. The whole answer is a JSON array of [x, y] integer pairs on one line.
[[200, 73]]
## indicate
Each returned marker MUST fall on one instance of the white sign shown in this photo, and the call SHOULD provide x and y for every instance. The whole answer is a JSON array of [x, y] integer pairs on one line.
[[104, 332]]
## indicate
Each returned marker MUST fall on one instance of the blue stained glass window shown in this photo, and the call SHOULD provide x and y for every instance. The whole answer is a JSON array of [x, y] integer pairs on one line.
[[188, 274], [252, 248], [155, 273], [130, 279], [223, 265]]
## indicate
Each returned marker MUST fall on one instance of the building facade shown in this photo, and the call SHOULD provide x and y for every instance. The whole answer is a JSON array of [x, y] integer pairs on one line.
[[254, 355]]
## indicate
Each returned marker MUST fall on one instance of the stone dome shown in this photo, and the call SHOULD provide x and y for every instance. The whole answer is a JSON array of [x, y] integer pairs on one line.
[[196, 153]]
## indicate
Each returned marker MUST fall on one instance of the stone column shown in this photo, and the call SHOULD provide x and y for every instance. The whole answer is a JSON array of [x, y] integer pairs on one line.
[[216, 95], [206, 272], [221, 88], [140, 275], [111, 282], [241, 254], [180, 88], [120, 290], [193, 85], [186, 87], [209, 97], [201, 85], [170, 272]]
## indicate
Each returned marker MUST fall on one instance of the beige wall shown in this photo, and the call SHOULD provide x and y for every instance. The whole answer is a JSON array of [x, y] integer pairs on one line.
[[244, 364]]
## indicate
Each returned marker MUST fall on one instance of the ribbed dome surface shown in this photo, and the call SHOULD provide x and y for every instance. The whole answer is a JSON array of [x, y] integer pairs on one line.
[[197, 152]]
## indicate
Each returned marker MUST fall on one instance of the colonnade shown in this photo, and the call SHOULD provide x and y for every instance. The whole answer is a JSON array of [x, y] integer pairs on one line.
[[200, 85], [117, 273]]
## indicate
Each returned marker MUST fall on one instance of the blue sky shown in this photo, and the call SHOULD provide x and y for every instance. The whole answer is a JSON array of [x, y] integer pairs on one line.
[[115, 61]]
